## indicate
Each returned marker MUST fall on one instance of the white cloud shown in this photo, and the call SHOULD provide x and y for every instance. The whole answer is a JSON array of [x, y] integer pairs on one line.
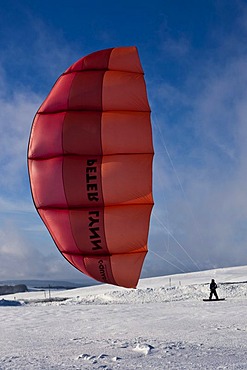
[[16, 206], [16, 114], [23, 259], [178, 48]]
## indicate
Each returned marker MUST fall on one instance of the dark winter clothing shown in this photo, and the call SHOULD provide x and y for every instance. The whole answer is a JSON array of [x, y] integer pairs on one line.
[[213, 287]]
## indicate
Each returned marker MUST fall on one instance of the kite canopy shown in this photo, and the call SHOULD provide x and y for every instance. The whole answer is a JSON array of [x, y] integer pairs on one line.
[[90, 165]]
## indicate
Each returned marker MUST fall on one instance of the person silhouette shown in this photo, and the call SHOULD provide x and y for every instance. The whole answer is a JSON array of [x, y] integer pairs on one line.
[[213, 287]]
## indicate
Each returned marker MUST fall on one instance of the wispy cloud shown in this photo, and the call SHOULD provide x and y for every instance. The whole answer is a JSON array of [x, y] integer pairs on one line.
[[16, 114], [16, 206], [24, 257]]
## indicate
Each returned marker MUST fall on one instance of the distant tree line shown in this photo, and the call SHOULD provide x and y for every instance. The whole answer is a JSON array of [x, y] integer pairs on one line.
[[12, 289]]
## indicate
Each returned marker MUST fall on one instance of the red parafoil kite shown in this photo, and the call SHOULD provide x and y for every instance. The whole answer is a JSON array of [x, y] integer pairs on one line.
[[90, 165]]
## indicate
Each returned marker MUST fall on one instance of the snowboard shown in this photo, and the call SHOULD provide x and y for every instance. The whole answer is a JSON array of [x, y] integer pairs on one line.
[[214, 300]]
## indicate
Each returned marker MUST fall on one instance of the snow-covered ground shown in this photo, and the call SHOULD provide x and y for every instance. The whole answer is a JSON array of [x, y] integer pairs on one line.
[[163, 324]]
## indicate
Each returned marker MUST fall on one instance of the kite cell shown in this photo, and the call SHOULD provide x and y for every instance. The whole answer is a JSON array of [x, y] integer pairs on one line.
[[90, 165]]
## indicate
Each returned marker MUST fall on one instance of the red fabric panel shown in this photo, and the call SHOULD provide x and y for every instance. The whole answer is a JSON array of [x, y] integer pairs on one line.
[[118, 59], [94, 61], [82, 133], [57, 100], [124, 91], [125, 59], [47, 182], [50, 128], [126, 228], [127, 179], [100, 268], [126, 132], [126, 268], [58, 223], [86, 91]]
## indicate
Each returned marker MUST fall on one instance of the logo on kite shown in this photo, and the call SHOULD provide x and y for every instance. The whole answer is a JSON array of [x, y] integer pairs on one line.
[[90, 165]]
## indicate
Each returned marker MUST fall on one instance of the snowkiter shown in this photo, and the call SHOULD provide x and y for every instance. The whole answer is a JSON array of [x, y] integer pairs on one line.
[[213, 287]]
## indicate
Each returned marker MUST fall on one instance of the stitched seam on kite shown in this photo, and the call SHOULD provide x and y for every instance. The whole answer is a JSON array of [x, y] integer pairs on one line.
[[85, 255]]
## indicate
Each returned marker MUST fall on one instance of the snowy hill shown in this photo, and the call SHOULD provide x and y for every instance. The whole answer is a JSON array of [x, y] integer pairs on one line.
[[232, 282], [163, 324]]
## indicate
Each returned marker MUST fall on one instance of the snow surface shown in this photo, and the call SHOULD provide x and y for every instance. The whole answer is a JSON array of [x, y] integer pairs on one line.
[[163, 324]]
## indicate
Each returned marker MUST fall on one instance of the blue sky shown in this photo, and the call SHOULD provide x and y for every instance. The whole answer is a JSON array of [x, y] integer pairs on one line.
[[194, 54]]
